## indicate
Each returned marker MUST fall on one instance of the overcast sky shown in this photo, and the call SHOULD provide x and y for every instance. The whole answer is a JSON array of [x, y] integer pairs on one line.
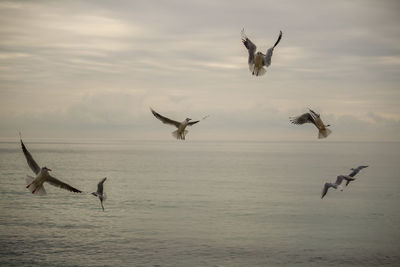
[[92, 69]]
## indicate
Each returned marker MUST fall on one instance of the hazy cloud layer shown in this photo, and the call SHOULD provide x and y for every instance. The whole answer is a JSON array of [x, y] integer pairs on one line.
[[93, 68]]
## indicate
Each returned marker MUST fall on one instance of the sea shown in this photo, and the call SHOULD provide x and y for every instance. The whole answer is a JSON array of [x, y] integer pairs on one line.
[[201, 203]]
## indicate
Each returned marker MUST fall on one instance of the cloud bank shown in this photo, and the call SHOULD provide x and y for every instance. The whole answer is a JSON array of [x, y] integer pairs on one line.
[[93, 68]]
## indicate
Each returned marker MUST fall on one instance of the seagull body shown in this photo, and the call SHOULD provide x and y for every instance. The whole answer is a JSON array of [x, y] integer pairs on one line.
[[354, 173], [348, 179], [258, 60], [35, 184], [314, 118], [327, 185], [99, 193], [181, 132]]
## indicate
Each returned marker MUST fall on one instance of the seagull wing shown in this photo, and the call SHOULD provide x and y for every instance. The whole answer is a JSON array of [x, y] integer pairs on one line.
[[348, 179], [357, 170], [251, 47], [279, 39], [304, 118], [317, 119], [313, 113], [270, 51], [100, 185], [165, 119], [325, 189], [54, 181], [31, 162], [192, 122], [354, 173], [361, 167], [339, 179]]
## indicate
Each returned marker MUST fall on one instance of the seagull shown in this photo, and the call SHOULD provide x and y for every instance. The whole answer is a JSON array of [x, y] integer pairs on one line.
[[314, 118], [258, 60], [354, 173], [335, 185], [181, 132], [99, 193], [35, 184]]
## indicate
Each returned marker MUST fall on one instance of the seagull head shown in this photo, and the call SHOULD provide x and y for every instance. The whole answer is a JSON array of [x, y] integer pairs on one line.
[[46, 169], [187, 119]]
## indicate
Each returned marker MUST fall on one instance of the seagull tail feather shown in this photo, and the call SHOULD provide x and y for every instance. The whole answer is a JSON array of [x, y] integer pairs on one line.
[[324, 133], [178, 136], [257, 71], [33, 188]]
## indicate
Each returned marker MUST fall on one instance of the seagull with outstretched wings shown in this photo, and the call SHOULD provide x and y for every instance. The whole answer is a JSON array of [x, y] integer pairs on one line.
[[258, 60], [35, 184], [181, 132]]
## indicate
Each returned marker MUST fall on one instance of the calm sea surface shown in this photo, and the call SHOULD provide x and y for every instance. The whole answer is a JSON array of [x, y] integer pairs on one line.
[[202, 204]]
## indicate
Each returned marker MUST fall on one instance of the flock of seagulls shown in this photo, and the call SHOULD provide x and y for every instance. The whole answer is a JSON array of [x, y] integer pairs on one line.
[[258, 62]]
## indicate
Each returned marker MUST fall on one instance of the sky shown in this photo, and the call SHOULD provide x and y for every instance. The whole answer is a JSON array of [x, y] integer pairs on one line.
[[92, 69]]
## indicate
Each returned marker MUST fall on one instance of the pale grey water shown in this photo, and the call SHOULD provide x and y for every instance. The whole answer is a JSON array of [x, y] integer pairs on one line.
[[202, 204]]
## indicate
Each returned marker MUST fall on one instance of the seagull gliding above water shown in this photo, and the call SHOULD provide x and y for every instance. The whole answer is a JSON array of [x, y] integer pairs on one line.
[[99, 193], [181, 132], [35, 184]]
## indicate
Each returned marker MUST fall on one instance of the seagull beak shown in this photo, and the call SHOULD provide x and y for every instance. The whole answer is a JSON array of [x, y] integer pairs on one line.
[[49, 169]]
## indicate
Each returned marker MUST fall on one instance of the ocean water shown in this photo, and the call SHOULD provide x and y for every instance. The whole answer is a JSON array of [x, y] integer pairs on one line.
[[194, 203]]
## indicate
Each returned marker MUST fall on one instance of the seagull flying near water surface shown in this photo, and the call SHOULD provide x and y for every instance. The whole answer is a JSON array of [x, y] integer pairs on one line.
[[99, 193], [314, 118], [258, 60], [35, 184], [181, 132]]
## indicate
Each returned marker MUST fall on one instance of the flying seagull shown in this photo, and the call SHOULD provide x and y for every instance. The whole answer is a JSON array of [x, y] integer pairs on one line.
[[314, 118], [258, 60], [181, 132], [35, 184], [335, 185], [354, 173], [99, 193]]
